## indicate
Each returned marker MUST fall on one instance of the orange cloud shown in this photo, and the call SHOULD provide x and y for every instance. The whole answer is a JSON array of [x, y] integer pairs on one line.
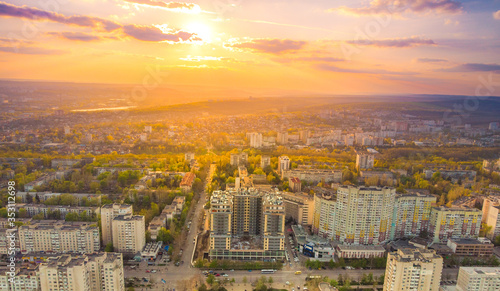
[[404, 6], [269, 46], [397, 42], [139, 32], [174, 6]]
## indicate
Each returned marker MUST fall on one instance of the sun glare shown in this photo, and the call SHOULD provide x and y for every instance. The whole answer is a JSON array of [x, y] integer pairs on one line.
[[202, 30]]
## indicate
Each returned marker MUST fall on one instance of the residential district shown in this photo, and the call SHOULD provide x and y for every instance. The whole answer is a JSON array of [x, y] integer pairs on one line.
[[335, 200]]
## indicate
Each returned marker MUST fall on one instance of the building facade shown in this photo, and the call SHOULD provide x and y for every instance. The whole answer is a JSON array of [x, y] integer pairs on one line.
[[108, 213], [478, 279], [491, 217], [129, 233], [324, 215], [96, 272], [283, 164], [59, 236], [413, 269], [299, 206], [411, 215], [452, 223], [247, 224], [364, 160], [363, 215]]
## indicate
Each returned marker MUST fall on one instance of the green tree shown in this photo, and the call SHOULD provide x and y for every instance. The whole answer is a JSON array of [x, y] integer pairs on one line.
[[497, 240], [72, 216], [199, 263], [210, 279], [109, 248]]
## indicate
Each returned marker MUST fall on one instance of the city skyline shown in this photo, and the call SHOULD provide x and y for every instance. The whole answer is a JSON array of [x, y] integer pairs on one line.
[[260, 47]]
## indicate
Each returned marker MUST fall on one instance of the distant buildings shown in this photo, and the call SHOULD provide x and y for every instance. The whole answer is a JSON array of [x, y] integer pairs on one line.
[[365, 160], [491, 165], [187, 182], [452, 174], [265, 161], [295, 184], [478, 279], [413, 269], [188, 157], [255, 139], [283, 164], [239, 159], [314, 175], [60, 210], [493, 126], [108, 213], [282, 138], [451, 223], [59, 236]]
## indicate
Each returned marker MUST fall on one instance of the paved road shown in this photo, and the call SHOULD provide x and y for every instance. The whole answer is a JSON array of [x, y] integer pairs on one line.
[[175, 274], [171, 273]]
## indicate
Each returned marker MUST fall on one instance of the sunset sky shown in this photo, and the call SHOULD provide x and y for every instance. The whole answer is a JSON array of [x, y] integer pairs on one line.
[[266, 47]]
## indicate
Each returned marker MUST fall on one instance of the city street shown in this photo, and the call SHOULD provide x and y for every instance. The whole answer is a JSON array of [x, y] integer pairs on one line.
[[173, 274]]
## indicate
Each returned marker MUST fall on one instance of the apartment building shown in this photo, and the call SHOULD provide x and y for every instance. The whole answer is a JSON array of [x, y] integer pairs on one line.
[[478, 279], [452, 223], [273, 222], [26, 279], [187, 182], [295, 184], [411, 215], [102, 271], [299, 206], [59, 236], [221, 211], [129, 233], [324, 215], [480, 247], [255, 139], [65, 273], [314, 175], [363, 215], [283, 164], [491, 217], [365, 160], [238, 159], [108, 213], [247, 224], [265, 161], [34, 209], [413, 269], [106, 271], [7, 237], [188, 157], [247, 209], [282, 138]]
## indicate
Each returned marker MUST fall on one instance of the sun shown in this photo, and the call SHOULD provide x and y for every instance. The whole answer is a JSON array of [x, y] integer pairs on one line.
[[202, 30]]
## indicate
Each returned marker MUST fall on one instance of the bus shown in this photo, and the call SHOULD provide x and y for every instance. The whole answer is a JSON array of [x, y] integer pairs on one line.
[[312, 277], [268, 271]]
